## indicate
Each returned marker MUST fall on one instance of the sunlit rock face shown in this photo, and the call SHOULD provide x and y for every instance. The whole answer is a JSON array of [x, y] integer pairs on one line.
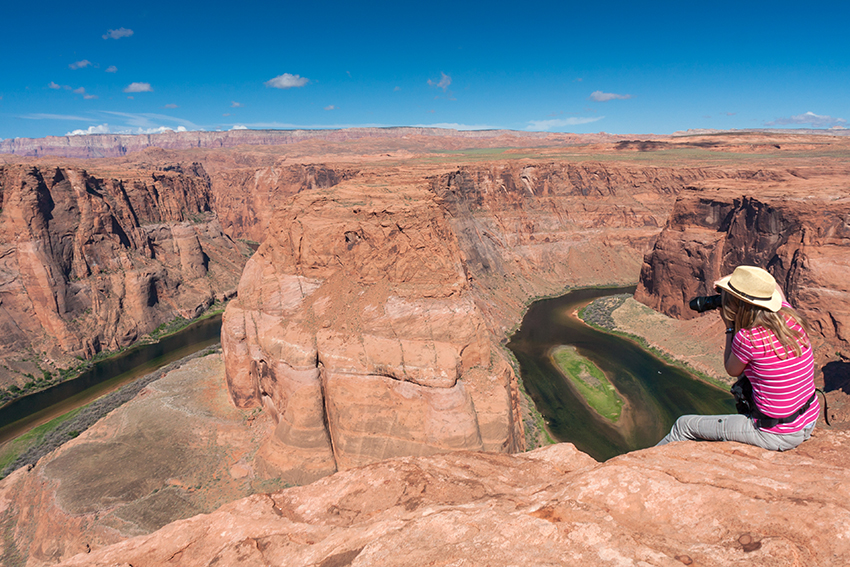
[[89, 262], [687, 503], [368, 321], [800, 233]]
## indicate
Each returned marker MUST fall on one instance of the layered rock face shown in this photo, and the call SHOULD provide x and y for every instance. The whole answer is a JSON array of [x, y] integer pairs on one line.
[[367, 322], [356, 329], [709, 504], [90, 263], [800, 233], [114, 145]]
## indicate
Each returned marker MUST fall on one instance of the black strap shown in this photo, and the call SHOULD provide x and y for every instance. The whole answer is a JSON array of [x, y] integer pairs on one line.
[[825, 407], [764, 421]]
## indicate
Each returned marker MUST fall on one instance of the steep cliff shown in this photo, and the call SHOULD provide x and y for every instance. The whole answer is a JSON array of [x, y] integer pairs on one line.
[[799, 231], [90, 262], [368, 321]]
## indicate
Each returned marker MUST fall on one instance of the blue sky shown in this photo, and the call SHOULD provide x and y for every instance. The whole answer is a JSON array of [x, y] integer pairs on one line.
[[617, 67]]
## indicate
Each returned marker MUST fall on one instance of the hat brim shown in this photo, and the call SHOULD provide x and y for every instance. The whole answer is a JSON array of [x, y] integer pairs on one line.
[[773, 304]]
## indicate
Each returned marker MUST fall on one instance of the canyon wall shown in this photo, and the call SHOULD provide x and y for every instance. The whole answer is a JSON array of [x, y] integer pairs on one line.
[[90, 262], [799, 232], [368, 321], [115, 145]]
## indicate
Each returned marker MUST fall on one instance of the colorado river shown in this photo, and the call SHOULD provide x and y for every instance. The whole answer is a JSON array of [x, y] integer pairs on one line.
[[27, 412], [656, 393]]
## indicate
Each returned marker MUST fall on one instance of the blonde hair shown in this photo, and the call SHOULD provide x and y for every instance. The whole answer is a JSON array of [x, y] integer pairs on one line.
[[749, 316]]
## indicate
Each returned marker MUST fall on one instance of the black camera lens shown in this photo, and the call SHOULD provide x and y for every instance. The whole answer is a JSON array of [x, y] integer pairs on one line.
[[705, 303]]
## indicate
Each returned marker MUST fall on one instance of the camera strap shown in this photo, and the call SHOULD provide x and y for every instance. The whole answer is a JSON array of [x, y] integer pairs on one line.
[[743, 392]]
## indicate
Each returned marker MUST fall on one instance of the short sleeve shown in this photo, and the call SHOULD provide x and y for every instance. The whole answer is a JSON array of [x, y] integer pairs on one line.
[[742, 347]]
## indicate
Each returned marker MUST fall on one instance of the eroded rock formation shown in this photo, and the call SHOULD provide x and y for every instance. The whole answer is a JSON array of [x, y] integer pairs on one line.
[[90, 262], [710, 504], [800, 232], [367, 322]]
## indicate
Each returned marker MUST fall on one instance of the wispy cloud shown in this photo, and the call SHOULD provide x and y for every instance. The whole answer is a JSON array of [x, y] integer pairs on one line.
[[810, 118], [234, 104], [149, 120], [44, 116], [599, 96], [117, 34], [238, 127], [112, 69], [138, 88], [457, 126], [287, 81], [54, 86], [330, 107], [80, 64], [170, 106], [546, 125], [443, 83]]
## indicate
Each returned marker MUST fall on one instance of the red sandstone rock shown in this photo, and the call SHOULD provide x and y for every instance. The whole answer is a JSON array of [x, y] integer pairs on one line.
[[710, 504], [90, 263], [367, 321], [799, 233]]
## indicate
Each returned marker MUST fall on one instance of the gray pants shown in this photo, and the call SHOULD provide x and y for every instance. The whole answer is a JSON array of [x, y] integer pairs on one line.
[[732, 428]]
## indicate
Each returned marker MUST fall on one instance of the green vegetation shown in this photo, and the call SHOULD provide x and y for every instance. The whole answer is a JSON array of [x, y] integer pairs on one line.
[[597, 314], [9, 452], [590, 381]]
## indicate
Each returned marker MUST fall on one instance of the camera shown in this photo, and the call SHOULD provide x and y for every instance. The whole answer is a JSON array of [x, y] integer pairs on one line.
[[705, 303]]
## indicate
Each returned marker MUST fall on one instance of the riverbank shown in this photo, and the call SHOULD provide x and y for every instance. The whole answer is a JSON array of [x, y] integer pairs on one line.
[[47, 380], [695, 344], [28, 448]]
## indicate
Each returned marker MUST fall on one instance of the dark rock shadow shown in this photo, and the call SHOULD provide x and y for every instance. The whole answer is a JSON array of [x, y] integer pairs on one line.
[[836, 376]]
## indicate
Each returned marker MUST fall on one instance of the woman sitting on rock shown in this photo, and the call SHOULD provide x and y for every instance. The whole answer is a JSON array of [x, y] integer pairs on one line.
[[767, 341]]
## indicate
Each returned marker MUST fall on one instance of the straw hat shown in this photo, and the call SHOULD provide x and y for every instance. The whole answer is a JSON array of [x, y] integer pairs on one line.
[[753, 285]]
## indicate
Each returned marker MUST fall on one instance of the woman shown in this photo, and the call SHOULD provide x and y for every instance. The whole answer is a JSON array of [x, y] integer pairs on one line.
[[767, 341]]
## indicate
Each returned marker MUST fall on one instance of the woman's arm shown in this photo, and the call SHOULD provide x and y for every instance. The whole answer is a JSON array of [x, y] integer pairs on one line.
[[733, 365]]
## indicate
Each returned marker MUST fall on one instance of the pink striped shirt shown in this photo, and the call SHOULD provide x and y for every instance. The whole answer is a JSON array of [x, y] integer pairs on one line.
[[780, 385]]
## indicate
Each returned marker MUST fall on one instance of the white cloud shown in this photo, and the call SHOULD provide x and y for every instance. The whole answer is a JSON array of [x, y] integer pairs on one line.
[[443, 83], [89, 96], [560, 122], [102, 129], [234, 104], [106, 129], [53, 85], [330, 107], [117, 34], [80, 64], [81, 90], [138, 88], [112, 69], [810, 118], [239, 127], [170, 106], [599, 96], [287, 81]]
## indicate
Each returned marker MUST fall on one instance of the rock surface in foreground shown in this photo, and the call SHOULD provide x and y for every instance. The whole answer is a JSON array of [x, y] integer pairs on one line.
[[708, 504]]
